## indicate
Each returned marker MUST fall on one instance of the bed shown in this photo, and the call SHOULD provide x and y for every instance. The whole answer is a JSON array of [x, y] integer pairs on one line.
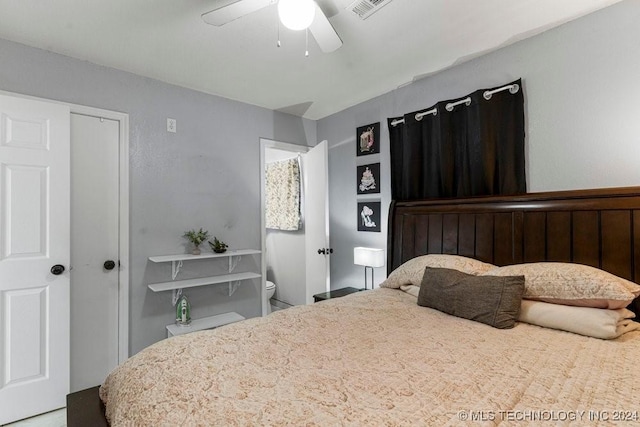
[[378, 358]]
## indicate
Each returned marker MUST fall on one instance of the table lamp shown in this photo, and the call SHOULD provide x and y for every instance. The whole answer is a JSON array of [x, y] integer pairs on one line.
[[369, 258]]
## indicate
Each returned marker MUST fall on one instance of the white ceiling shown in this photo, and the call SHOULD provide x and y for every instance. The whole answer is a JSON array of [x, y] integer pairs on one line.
[[167, 40]]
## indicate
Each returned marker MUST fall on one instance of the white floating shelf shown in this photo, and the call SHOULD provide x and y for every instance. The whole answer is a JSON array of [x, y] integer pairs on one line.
[[202, 281], [206, 255], [205, 323]]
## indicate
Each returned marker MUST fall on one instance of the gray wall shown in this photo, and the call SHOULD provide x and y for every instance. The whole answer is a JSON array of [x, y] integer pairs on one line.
[[582, 100], [205, 175]]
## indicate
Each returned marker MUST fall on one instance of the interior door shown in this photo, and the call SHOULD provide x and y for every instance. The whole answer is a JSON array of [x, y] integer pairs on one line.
[[316, 214], [34, 257], [94, 274]]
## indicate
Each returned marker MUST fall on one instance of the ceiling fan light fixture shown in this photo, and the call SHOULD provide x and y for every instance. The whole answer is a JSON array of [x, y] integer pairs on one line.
[[296, 14]]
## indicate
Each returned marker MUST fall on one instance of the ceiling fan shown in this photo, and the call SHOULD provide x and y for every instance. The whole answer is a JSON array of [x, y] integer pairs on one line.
[[320, 27]]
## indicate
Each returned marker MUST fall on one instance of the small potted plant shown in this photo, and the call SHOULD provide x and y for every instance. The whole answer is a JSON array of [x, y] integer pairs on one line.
[[196, 237], [218, 246]]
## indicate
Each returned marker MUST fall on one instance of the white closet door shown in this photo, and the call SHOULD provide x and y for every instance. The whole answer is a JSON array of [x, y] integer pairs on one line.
[[94, 213], [34, 250]]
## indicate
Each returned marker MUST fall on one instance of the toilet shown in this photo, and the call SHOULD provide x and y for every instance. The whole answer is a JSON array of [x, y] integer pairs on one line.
[[271, 289]]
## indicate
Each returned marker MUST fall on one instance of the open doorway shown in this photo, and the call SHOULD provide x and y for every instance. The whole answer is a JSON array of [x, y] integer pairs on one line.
[[297, 261]]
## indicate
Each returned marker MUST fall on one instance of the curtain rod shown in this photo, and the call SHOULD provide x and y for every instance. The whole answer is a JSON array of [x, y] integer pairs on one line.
[[433, 111], [466, 101], [513, 89], [418, 116]]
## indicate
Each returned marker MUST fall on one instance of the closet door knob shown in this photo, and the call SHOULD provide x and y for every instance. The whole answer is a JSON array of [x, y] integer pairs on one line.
[[109, 265], [322, 251], [57, 269]]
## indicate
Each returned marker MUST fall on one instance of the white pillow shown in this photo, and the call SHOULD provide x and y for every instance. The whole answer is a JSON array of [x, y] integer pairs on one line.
[[571, 284], [592, 322], [411, 272]]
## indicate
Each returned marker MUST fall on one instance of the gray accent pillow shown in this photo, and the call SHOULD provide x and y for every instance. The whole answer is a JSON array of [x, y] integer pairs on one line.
[[487, 299]]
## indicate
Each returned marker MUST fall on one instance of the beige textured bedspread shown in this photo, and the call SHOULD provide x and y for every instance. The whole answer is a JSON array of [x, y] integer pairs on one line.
[[375, 358]]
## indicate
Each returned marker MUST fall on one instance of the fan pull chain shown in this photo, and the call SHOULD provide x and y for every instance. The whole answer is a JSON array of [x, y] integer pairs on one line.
[[306, 43], [278, 19]]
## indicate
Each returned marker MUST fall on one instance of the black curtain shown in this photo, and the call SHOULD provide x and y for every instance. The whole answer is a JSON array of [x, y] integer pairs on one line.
[[473, 150]]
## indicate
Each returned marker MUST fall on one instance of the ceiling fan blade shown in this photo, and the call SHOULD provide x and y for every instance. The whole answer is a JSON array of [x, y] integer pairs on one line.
[[233, 11], [323, 32]]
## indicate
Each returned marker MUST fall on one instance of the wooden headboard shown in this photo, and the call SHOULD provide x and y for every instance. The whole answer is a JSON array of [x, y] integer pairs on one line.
[[600, 228]]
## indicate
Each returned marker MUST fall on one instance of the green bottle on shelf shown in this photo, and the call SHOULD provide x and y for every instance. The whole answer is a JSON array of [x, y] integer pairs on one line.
[[183, 311]]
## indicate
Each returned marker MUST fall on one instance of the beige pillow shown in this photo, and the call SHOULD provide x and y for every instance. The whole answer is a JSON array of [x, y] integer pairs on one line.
[[571, 284], [592, 322], [411, 272]]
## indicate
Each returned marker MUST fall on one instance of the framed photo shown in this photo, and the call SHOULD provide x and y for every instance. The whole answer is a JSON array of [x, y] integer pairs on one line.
[[369, 216], [368, 139], [368, 179]]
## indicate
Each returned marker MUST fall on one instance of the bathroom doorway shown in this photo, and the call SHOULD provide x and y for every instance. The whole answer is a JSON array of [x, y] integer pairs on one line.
[[297, 261]]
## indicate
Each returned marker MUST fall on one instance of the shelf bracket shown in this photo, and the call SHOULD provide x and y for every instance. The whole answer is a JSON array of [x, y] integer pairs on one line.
[[233, 262], [233, 287], [176, 296], [175, 269]]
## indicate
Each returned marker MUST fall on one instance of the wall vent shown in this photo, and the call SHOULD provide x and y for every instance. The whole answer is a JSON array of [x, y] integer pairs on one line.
[[366, 8]]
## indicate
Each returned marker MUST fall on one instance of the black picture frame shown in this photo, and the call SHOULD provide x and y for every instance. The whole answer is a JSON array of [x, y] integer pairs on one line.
[[368, 179], [369, 216], [368, 139]]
